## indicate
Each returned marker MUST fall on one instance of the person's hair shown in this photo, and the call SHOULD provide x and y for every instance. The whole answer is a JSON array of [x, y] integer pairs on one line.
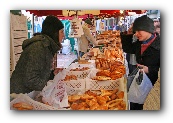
[[51, 26], [37, 33], [88, 21]]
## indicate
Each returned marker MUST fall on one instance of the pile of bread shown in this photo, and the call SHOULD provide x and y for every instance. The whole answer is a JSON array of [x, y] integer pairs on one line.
[[116, 71], [111, 62], [103, 100], [110, 37], [111, 65]]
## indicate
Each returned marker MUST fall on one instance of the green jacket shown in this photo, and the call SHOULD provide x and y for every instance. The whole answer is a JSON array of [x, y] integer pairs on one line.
[[34, 67]]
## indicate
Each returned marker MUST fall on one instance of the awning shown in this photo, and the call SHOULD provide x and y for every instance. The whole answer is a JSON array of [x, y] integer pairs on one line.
[[65, 14], [45, 12]]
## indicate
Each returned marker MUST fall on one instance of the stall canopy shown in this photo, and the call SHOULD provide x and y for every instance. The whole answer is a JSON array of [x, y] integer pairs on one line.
[[45, 12], [68, 14]]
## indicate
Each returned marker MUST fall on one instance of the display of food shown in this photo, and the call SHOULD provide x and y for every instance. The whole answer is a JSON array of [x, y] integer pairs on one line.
[[109, 61], [70, 77], [102, 100], [80, 69]]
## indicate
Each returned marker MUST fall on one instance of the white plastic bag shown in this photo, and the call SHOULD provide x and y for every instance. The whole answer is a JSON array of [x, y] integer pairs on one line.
[[138, 92], [55, 94]]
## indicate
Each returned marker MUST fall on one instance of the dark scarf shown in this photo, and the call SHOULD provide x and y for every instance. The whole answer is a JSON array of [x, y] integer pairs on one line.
[[147, 43], [148, 40]]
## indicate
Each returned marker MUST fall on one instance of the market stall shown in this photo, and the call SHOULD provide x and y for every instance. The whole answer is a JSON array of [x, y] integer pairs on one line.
[[97, 81]]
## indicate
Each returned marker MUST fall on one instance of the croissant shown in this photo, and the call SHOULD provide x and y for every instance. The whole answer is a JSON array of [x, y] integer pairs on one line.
[[120, 95], [102, 107], [101, 100], [86, 96], [73, 98], [105, 93], [91, 102], [74, 106], [103, 73], [90, 93]]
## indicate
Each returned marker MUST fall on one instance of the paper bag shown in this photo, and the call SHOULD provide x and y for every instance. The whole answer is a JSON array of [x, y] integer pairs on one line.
[[55, 94]]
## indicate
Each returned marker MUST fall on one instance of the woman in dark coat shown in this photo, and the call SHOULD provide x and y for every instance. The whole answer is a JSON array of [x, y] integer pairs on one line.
[[34, 68], [146, 49]]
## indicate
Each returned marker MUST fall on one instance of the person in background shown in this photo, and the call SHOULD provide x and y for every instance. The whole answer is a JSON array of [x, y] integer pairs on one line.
[[157, 25], [146, 49], [156, 22], [36, 63], [86, 38], [157, 29]]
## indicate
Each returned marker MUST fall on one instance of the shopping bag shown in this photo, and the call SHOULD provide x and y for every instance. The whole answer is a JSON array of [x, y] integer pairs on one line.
[[140, 87], [55, 94], [130, 78]]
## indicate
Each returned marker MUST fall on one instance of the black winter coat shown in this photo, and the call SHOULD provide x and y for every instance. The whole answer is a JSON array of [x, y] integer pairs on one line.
[[149, 58], [34, 67]]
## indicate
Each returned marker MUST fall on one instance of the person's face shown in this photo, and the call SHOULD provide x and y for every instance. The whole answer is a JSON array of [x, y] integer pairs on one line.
[[61, 35], [156, 23], [158, 30], [142, 35]]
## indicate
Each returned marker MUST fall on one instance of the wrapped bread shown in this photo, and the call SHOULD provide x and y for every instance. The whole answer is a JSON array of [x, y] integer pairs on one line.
[[22, 106]]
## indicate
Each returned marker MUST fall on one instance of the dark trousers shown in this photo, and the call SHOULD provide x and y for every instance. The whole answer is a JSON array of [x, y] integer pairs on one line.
[[136, 106]]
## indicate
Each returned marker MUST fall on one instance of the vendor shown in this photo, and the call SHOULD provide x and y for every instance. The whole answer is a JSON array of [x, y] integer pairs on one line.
[[86, 38], [35, 65]]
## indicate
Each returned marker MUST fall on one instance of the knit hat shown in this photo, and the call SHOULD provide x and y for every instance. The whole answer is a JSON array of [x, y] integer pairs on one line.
[[88, 21], [143, 23], [51, 25], [156, 20]]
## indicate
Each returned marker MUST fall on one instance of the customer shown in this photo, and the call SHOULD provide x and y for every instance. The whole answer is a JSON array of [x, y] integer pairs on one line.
[[146, 49], [36, 63], [86, 38]]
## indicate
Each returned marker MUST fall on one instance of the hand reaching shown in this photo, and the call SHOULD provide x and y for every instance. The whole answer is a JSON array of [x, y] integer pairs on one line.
[[145, 68], [57, 70]]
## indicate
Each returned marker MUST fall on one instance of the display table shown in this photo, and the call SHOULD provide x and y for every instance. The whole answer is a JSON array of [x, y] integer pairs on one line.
[[63, 61]]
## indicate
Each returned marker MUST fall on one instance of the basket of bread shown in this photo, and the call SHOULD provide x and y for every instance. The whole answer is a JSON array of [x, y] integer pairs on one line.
[[79, 70]]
